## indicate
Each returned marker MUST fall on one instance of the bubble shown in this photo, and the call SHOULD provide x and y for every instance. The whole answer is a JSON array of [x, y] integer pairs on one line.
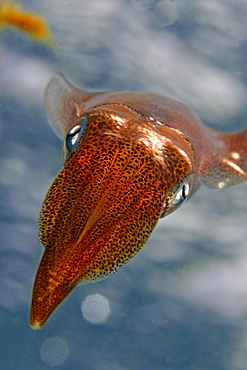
[[54, 351], [95, 309], [166, 12]]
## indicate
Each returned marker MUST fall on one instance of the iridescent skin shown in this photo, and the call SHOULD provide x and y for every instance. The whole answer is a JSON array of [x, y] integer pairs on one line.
[[137, 151]]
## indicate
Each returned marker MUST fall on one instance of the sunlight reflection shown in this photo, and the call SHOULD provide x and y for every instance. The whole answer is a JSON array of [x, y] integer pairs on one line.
[[54, 351], [95, 309]]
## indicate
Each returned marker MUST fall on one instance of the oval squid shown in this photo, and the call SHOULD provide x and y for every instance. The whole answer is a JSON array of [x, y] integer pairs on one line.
[[129, 159]]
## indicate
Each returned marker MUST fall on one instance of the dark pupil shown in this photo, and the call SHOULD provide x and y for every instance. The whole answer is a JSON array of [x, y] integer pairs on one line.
[[184, 192], [74, 131]]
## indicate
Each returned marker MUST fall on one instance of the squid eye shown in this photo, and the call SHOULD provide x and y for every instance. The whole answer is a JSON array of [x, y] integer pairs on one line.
[[74, 136], [179, 196], [181, 193]]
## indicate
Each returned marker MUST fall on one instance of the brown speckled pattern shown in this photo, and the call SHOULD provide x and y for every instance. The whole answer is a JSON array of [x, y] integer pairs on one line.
[[137, 150], [102, 207]]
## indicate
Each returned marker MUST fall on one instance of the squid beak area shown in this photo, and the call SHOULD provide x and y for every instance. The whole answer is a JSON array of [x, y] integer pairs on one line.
[[98, 213]]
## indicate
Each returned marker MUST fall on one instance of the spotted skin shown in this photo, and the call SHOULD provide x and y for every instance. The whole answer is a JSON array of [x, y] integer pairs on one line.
[[120, 180]]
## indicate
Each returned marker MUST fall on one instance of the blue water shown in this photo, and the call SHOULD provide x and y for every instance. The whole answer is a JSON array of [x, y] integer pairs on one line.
[[181, 303]]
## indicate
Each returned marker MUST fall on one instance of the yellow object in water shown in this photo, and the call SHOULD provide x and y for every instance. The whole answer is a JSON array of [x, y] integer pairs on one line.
[[11, 15]]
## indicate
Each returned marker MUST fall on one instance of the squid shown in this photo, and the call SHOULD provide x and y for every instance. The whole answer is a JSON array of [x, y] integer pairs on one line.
[[129, 158]]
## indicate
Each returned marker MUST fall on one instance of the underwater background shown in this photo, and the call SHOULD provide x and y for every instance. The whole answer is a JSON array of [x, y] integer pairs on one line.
[[181, 303]]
